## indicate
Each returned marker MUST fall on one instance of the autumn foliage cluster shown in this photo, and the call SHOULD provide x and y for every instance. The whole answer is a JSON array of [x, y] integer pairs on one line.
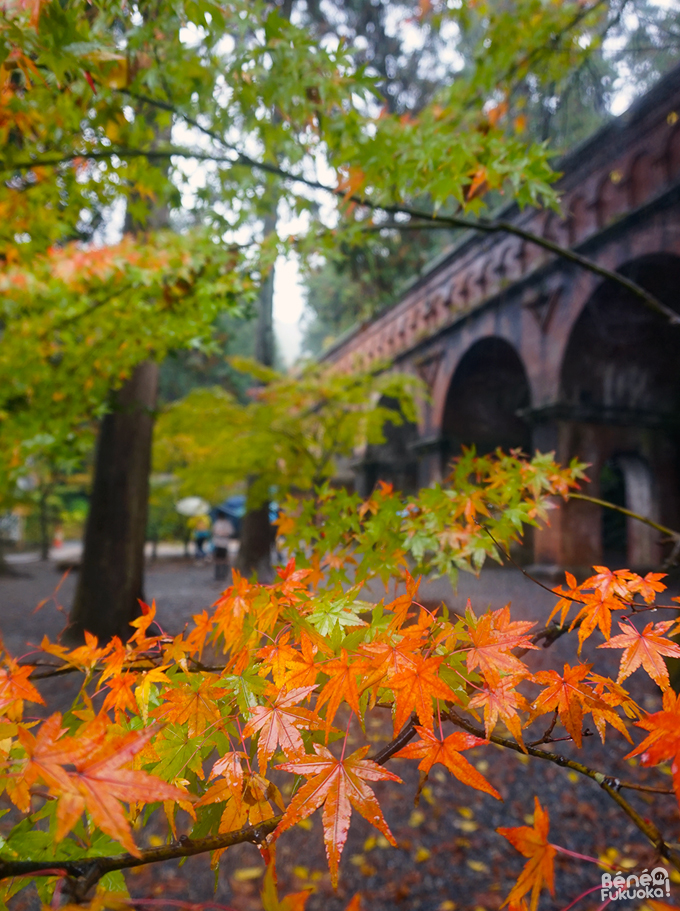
[[272, 678]]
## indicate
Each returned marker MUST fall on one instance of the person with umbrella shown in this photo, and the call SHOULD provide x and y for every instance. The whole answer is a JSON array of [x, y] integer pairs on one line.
[[222, 531]]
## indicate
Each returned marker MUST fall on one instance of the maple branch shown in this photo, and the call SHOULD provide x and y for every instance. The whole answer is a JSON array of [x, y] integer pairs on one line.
[[89, 870], [106, 154], [631, 786], [547, 734], [610, 785], [407, 733], [528, 575], [482, 225], [554, 632], [673, 536], [86, 872]]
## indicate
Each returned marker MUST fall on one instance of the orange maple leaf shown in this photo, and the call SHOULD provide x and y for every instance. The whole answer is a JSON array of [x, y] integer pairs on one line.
[[493, 637], [302, 669], [280, 724], [120, 696], [414, 689], [663, 741], [431, 750], [532, 842], [567, 597], [613, 589], [350, 181], [648, 586], [230, 787], [612, 582], [15, 689], [339, 785], [293, 581], [196, 707], [87, 772], [341, 686], [500, 699], [385, 659], [645, 648], [568, 694], [275, 659], [203, 624], [402, 604], [596, 612], [232, 606], [478, 184]]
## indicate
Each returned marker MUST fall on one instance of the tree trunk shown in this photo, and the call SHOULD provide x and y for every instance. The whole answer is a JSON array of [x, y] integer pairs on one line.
[[112, 575], [257, 537], [257, 534], [44, 527]]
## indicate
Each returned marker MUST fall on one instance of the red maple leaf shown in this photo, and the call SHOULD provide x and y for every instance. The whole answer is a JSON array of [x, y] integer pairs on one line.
[[431, 750], [645, 648], [532, 842], [663, 740], [87, 772], [339, 785], [280, 724]]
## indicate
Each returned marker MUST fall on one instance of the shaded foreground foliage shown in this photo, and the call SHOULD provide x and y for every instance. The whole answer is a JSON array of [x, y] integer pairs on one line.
[[204, 723]]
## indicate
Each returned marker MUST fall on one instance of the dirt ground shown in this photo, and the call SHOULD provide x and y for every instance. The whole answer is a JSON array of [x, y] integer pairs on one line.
[[449, 857]]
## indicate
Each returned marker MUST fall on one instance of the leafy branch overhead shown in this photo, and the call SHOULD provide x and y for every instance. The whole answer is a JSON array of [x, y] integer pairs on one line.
[[299, 668], [202, 111]]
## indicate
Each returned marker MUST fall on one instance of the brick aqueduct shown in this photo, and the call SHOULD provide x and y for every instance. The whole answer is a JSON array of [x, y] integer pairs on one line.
[[521, 348]]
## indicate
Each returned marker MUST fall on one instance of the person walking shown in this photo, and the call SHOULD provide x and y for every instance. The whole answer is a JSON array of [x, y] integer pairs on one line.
[[201, 535], [222, 531]]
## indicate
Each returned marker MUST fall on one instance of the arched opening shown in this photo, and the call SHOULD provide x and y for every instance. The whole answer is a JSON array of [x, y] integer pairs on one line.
[[621, 414], [484, 404], [626, 480], [614, 537], [393, 461]]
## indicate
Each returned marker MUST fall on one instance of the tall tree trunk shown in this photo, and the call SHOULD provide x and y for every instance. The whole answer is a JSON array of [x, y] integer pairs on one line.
[[44, 526], [111, 580], [264, 330], [257, 535], [112, 574]]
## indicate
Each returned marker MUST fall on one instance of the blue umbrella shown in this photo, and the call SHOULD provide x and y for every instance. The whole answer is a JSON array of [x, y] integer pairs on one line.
[[234, 508]]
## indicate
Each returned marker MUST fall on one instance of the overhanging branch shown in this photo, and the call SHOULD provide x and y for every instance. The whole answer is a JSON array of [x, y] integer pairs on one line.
[[236, 158]]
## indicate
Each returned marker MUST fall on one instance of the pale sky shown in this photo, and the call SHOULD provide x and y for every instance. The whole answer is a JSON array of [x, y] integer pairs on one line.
[[288, 305]]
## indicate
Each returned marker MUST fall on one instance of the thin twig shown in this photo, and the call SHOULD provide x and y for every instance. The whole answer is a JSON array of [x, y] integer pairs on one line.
[[674, 535], [648, 828]]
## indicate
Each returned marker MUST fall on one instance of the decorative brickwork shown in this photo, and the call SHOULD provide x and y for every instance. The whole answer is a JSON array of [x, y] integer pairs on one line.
[[619, 405]]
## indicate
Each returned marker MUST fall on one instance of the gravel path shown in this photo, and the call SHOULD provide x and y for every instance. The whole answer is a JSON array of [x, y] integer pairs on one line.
[[448, 856]]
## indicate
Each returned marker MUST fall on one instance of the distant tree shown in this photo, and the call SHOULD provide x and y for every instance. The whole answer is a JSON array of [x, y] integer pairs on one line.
[[287, 438]]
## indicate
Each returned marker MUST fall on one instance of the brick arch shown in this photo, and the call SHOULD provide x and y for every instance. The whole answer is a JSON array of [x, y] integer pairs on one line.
[[618, 404], [478, 391], [653, 240], [642, 180], [623, 332]]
